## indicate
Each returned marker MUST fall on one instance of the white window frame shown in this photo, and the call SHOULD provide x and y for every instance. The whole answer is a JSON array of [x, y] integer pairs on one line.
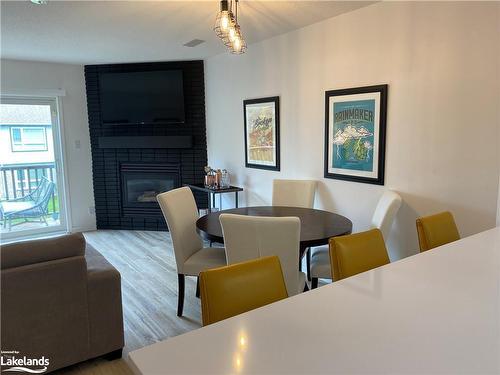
[[26, 146]]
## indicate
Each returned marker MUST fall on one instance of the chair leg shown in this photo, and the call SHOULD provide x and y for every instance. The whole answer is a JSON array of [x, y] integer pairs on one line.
[[314, 283], [198, 287], [308, 263], [180, 301]]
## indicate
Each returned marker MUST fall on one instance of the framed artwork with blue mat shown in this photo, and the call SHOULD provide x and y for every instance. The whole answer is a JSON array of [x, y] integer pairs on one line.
[[355, 130]]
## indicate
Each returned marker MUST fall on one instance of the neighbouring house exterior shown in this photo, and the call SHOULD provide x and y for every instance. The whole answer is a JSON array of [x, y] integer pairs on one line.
[[26, 144], [26, 148]]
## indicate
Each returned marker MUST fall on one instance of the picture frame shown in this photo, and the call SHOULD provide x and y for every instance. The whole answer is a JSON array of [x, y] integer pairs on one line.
[[262, 133], [355, 134]]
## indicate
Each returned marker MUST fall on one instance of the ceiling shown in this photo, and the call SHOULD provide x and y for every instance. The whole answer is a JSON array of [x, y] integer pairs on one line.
[[95, 32]]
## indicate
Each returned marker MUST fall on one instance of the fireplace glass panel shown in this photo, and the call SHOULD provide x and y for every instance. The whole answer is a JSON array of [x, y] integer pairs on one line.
[[141, 183], [145, 190]]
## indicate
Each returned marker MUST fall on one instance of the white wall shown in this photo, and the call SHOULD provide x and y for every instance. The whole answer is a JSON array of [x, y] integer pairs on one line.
[[26, 76], [441, 61]]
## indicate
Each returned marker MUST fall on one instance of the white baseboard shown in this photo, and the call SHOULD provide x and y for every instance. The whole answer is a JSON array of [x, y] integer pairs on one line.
[[83, 229]]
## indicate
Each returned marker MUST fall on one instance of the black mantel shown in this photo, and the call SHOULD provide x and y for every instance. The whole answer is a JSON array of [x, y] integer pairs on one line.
[[112, 145], [151, 141]]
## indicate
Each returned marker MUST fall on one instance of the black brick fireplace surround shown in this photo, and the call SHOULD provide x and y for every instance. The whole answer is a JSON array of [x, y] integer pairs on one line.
[[181, 146]]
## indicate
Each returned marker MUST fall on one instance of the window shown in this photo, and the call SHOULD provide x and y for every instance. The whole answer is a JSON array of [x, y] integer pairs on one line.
[[28, 138], [30, 144]]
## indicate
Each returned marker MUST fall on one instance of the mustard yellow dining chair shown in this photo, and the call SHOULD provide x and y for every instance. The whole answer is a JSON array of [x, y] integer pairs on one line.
[[250, 237], [383, 217], [436, 230], [241, 287], [356, 253]]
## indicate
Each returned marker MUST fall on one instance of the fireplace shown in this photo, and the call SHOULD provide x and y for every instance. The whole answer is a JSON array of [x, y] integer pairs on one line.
[[170, 145], [141, 183]]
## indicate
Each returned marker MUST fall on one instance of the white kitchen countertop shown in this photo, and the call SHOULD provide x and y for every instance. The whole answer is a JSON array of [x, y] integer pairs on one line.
[[436, 312]]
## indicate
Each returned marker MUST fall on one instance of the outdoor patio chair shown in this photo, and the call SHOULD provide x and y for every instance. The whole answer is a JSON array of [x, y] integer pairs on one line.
[[32, 206]]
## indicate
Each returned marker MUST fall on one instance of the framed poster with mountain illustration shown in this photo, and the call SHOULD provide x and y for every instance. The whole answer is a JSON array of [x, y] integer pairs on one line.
[[262, 133], [355, 125]]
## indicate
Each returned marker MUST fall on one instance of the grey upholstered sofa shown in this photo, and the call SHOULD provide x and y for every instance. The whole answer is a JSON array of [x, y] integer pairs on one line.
[[60, 299]]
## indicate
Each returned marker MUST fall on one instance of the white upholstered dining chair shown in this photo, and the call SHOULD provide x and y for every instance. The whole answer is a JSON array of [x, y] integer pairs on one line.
[[251, 237], [383, 217], [294, 193], [180, 212]]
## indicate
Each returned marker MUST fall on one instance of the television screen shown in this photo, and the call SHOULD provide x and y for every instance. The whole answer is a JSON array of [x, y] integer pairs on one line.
[[142, 97]]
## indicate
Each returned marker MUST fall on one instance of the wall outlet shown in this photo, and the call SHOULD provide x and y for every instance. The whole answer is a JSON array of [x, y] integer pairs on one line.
[[91, 210], [78, 144]]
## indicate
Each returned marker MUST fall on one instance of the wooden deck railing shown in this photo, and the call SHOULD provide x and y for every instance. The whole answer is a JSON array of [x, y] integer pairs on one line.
[[19, 180]]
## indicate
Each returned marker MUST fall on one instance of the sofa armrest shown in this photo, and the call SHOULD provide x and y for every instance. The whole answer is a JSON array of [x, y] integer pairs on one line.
[[104, 305], [31, 252], [44, 311]]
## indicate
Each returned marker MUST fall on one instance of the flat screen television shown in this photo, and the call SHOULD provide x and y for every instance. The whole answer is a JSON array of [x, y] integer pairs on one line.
[[142, 97]]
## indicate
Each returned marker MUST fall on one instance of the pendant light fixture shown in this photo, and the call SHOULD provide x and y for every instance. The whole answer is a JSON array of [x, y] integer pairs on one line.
[[228, 29], [223, 20], [234, 40]]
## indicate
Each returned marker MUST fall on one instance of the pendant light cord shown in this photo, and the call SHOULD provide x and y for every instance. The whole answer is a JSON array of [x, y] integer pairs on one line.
[[236, 11]]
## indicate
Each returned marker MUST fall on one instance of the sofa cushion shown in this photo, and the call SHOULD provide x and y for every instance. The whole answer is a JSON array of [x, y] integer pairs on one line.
[[30, 252]]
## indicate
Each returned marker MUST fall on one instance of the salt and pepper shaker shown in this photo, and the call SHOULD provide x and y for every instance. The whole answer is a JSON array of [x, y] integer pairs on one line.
[[218, 179], [225, 179], [210, 177]]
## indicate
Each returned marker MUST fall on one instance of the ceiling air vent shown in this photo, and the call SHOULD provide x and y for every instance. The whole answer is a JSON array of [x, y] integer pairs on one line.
[[193, 43]]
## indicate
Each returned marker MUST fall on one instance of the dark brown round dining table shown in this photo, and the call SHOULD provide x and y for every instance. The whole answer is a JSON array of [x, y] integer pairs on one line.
[[316, 226]]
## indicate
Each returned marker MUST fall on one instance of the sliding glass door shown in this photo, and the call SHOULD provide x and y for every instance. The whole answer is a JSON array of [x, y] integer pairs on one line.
[[32, 199]]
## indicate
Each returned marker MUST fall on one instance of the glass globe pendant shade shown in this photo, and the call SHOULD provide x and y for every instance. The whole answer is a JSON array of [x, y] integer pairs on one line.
[[224, 20], [236, 47], [232, 33], [236, 44], [239, 46]]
